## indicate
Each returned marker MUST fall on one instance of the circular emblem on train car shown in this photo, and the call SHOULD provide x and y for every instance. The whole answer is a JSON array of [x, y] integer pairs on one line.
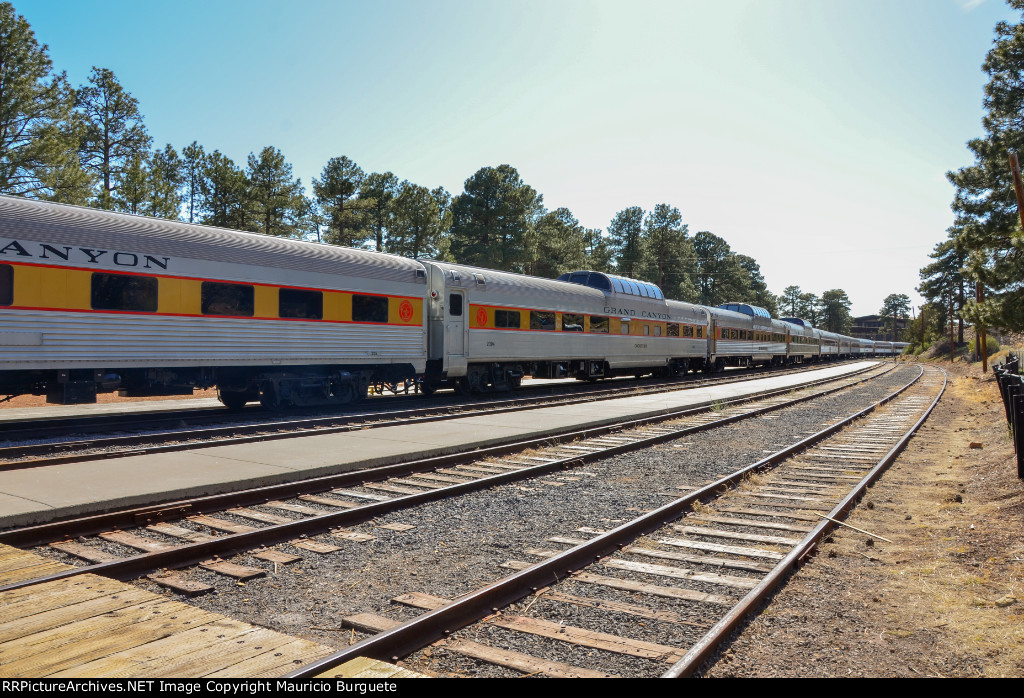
[[481, 317], [405, 311]]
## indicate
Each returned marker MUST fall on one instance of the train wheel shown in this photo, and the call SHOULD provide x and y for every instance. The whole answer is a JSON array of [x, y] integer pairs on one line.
[[234, 400]]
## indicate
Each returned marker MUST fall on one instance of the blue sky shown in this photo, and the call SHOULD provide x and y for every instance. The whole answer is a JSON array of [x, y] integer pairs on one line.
[[813, 135]]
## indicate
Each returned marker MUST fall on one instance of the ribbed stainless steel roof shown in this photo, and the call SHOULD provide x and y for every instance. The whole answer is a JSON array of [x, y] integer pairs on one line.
[[59, 224]]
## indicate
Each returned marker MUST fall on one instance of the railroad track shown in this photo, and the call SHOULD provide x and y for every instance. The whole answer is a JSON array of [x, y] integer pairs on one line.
[[689, 570], [55, 447], [132, 543]]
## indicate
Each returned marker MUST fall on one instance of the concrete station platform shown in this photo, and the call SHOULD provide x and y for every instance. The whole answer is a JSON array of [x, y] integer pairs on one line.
[[37, 495], [140, 407]]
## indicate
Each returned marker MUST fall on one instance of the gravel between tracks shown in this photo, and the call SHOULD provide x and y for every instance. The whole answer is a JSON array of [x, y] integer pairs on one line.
[[458, 545]]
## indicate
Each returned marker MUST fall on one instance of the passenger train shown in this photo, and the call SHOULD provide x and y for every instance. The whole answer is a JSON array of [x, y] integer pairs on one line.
[[94, 301]]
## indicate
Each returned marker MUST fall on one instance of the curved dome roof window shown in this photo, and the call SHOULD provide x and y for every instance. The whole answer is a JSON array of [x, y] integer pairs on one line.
[[611, 282], [751, 310]]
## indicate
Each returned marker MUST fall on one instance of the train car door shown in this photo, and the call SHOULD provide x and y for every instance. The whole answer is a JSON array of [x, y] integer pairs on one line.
[[455, 331], [712, 338]]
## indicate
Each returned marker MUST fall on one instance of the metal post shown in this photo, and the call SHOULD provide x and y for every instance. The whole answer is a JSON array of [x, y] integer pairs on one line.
[[1018, 431], [950, 324], [982, 333]]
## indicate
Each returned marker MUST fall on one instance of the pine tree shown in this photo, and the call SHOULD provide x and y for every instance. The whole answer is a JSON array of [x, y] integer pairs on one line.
[[376, 194], [626, 240], [896, 306], [493, 219], [417, 221], [558, 244], [38, 139], [669, 253], [114, 135], [944, 279], [987, 226], [277, 198], [225, 194], [718, 274], [336, 192], [193, 163], [835, 311]]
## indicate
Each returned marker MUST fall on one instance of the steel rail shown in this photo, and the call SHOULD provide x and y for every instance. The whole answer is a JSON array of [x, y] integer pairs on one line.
[[720, 630], [242, 433], [134, 566], [412, 635]]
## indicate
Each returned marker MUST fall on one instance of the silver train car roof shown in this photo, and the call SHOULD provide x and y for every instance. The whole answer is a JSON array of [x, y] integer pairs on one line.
[[61, 224]]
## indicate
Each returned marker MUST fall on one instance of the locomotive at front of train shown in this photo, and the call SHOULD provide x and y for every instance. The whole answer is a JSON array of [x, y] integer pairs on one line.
[[489, 329], [92, 300]]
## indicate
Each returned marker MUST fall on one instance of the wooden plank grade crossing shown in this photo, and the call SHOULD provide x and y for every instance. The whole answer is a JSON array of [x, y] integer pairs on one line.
[[94, 627]]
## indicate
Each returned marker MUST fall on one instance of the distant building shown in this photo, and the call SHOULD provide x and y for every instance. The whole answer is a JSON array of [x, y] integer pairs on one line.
[[875, 327]]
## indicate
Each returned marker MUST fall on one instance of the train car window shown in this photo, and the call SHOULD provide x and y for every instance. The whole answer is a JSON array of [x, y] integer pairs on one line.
[[657, 330], [735, 334], [455, 304], [542, 320], [580, 277], [370, 308], [227, 299], [672, 330], [647, 330], [6, 284], [296, 303], [572, 323], [700, 332], [123, 292], [599, 281], [624, 327], [617, 283], [507, 318], [599, 324]]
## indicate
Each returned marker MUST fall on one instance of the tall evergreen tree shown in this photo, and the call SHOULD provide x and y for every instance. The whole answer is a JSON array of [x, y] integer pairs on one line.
[[493, 218], [376, 194], [37, 137], [944, 280], [134, 187], [193, 164], [809, 307], [559, 244], [626, 240], [718, 275], [114, 134], [166, 179], [225, 194], [418, 221], [276, 196], [336, 192], [835, 311], [789, 301], [669, 253], [758, 288], [896, 306], [988, 227], [597, 249]]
